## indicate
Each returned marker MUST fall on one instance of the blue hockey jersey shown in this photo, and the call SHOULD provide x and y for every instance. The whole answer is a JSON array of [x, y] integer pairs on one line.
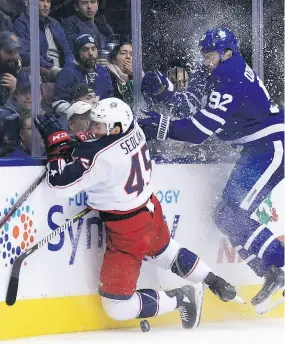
[[238, 107]]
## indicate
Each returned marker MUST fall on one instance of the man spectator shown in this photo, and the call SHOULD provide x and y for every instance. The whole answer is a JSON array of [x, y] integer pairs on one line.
[[86, 20], [10, 64], [54, 46], [84, 70], [78, 117], [5, 22]]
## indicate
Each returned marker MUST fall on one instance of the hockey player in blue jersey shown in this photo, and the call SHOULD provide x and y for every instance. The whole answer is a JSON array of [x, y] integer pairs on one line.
[[238, 110]]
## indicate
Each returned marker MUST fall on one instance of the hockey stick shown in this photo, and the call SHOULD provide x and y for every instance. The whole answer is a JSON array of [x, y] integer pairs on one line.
[[23, 198], [14, 279]]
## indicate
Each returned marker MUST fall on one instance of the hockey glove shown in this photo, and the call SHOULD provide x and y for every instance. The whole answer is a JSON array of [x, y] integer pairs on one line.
[[83, 136], [155, 125], [58, 142], [156, 85]]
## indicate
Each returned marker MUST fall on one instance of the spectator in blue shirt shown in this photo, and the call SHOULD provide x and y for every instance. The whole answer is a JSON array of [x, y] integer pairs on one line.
[[87, 20], [54, 46], [84, 70]]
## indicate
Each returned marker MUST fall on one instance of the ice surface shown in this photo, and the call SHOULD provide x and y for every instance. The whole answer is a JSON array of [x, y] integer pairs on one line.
[[238, 332]]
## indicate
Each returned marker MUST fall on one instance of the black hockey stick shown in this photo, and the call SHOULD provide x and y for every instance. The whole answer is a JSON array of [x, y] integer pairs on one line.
[[14, 279], [23, 198]]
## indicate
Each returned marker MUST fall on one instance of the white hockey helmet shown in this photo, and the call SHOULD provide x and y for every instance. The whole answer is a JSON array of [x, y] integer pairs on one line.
[[78, 108], [111, 111]]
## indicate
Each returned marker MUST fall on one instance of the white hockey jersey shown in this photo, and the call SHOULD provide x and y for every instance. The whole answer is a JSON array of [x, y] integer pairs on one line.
[[114, 171]]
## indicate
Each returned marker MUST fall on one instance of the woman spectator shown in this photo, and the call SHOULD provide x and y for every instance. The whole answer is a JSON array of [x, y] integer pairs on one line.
[[120, 66]]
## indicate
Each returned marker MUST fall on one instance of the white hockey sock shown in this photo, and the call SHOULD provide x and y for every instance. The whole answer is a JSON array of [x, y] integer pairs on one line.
[[145, 303], [199, 272]]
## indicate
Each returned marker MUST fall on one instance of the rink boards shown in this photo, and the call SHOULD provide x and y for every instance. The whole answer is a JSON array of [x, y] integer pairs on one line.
[[58, 289]]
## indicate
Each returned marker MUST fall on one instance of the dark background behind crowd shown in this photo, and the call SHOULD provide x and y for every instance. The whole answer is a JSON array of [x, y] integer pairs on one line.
[[170, 32]]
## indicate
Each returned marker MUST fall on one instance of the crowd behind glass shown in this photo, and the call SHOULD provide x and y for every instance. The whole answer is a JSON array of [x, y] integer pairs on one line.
[[82, 60]]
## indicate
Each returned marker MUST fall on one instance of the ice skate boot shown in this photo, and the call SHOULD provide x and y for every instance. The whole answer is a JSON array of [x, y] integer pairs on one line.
[[189, 304], [273, 281], [222, 289]]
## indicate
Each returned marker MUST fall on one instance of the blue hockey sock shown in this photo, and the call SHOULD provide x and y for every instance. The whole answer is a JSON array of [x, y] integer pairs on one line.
[[185, 263], [153, 303]]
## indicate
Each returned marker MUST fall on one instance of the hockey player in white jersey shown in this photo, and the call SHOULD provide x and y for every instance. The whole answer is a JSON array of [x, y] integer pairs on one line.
[[115, 172]]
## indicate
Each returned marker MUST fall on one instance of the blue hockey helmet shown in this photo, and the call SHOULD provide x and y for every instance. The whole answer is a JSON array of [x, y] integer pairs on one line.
[[218, 39]]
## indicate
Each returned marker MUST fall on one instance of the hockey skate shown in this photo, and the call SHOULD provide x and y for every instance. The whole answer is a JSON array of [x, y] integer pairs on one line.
[[222, 289], [274, 281], [189, 304]]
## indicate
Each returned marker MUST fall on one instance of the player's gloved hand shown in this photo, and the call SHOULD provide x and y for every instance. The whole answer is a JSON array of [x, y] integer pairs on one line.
[[154, 125], [83, 136], [156, 85], [58, 142]]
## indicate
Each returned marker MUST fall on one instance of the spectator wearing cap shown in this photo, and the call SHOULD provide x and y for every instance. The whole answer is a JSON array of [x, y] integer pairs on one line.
[[87, 20], [84, 93], [78, 117], [84, 70], [18, 106], [5, 22], [10, 64], [54, 46]]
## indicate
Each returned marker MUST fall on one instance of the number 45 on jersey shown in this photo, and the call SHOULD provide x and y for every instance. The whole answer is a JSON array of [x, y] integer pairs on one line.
[[140, 173]]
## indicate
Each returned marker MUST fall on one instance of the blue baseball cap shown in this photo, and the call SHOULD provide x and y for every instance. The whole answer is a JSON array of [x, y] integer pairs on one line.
[[24, 80]]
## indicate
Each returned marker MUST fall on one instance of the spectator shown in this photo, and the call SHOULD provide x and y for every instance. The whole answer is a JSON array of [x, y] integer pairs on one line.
[[5, 23], [84, 70], [84, 93], [13, 8], [25, 130], [86, 20], [78, 116], [179, 77], [54, 46], [121, 59], [15, 108], [10, 64]]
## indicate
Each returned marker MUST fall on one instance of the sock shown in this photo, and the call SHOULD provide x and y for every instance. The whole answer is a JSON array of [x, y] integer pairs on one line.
[[144, 303], [189, 266], [154, 303]]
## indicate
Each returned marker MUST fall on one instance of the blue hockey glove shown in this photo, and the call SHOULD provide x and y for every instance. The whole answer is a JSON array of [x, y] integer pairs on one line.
[[156, 85], [155, 125]]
